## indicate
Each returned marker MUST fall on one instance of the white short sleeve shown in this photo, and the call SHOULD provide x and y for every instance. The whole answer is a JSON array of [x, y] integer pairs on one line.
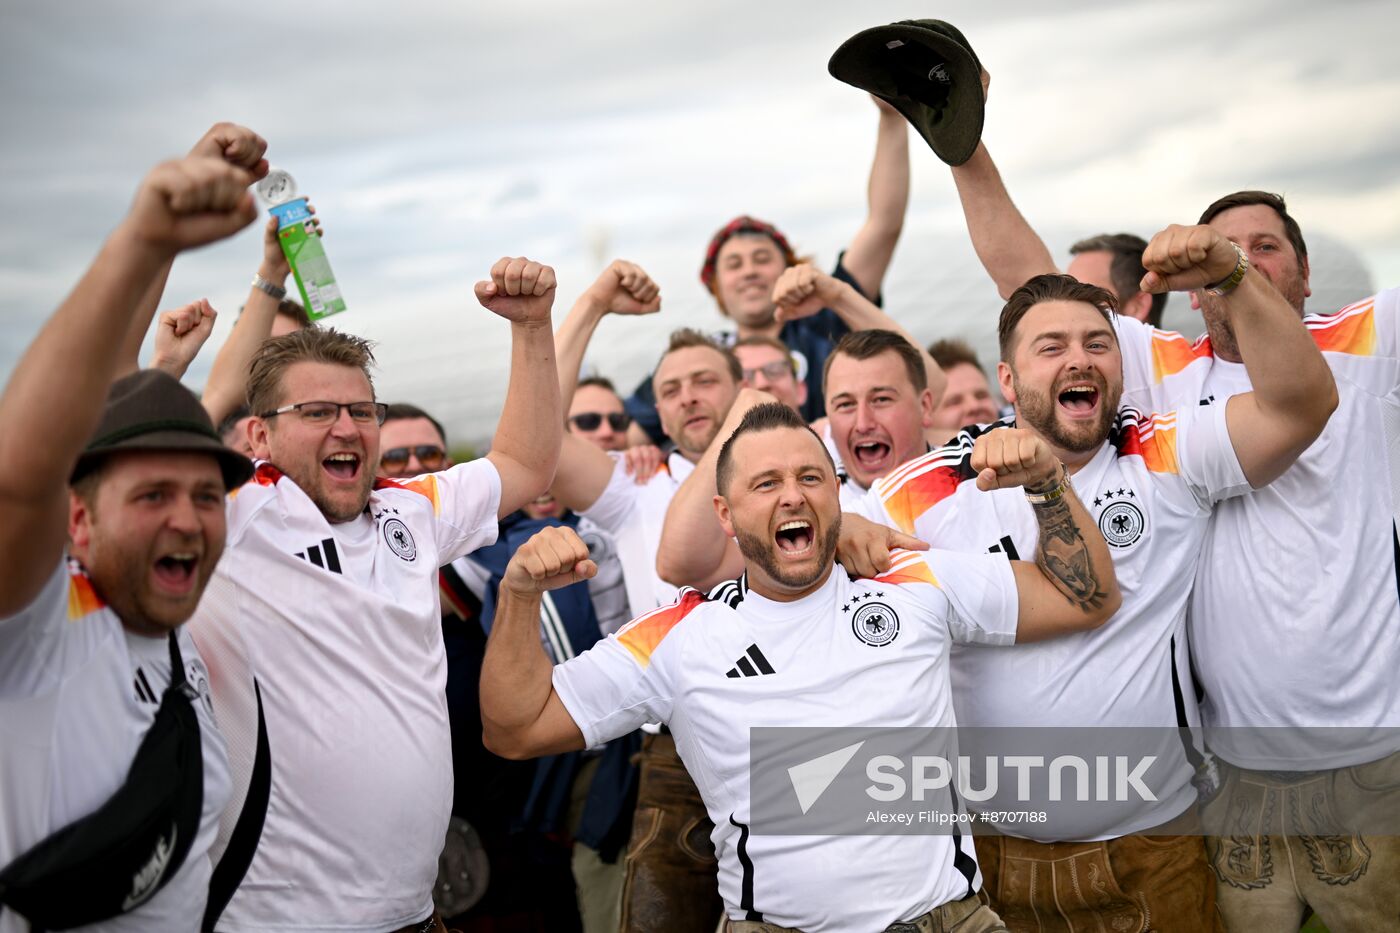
[[1205, 454], [983, 603], [469, 496], [30, 638], [628, 678], [614, 506]]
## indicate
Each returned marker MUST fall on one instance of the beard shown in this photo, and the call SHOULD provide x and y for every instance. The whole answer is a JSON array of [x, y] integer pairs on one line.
[[1038, 410], [763, 551], [1217, 316], [337, 508]]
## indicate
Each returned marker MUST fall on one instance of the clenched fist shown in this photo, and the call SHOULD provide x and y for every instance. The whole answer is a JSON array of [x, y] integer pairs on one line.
[[803, 290], [551, 559], [190, 202], [1008, 457], [625, 288], [236, 145], [1184, 258], [520, 290]]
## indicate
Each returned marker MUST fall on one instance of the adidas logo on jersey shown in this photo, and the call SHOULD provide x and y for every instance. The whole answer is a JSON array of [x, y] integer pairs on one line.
[[323, 555], [751, 664]]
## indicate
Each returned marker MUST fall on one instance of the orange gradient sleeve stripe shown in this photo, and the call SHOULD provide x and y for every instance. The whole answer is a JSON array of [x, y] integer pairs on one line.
[[642, 636], [916, 495], [1171, 353], [425, 486], [82, 598], [908, 568], [1156, 446], [1351, 330]]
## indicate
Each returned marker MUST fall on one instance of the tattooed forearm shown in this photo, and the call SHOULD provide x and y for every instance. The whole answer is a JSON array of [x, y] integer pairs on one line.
[[1063, 555]]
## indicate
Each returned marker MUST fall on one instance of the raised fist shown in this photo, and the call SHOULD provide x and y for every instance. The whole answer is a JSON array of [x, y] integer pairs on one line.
[[1184, 258], [520, 290], [803, 290], [191, 202], [1008, 457], [625, 288], [551, 559], [180, 334], [236, 145]]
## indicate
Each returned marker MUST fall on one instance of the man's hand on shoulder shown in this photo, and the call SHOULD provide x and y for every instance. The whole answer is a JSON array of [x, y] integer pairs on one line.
[[553, 558], [519, 290]]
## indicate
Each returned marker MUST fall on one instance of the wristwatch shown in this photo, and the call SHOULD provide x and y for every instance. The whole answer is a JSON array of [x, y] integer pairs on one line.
[[262, 284]]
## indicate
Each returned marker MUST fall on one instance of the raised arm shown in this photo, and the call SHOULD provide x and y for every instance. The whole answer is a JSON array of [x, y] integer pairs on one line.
[[525, 450], [694, 550], [803, 290], [1071, 586], [622, 288], [521, 715], [179, 336], [234, 144], [1294, 392], [55, 395], [227, 387], [868, 256]]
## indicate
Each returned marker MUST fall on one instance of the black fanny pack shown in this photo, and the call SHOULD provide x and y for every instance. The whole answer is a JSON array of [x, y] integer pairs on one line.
[[114, 859]]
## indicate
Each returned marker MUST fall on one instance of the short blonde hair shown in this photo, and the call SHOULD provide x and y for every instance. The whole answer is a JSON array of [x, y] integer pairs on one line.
[[314, 345]]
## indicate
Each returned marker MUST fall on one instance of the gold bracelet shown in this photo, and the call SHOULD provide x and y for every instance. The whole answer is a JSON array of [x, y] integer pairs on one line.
[[1040, 498], [1231, 281]]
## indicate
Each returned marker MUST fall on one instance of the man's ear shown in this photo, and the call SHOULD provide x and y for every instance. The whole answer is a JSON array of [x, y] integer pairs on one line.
[[1006, 381], [258, 430], [926, 408], [80, 519], [723, 514], [1138, 307], [1195, 297], [1307, 272]]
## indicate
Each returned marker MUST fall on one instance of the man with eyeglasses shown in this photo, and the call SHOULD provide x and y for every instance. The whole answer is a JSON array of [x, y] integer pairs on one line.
[[328, 593]]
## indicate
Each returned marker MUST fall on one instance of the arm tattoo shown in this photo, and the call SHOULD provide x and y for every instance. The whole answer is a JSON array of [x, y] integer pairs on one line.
[[1063, 555]]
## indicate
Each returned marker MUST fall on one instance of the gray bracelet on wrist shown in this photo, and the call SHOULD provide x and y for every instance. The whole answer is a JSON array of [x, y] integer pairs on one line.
[[263, 285]]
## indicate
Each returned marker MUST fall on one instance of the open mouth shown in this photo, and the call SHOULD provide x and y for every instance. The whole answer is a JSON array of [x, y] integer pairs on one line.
[[343, 466], [871, 454], [794, 538], [176, 572], [1080, 401]]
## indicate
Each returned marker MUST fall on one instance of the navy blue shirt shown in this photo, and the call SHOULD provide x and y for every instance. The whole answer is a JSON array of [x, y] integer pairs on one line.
[[810, 339]]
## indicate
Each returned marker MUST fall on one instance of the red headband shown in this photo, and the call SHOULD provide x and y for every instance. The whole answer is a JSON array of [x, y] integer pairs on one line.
[[742, 224]]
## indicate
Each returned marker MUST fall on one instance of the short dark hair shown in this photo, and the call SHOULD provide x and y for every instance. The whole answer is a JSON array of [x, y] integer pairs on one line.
[[1269, 200], [601, 382], [770, 416], [232, 418], [773, 343], [290, 307], [1043, 288], [402, 411], [951, 351], [687, 337], [1125, 268], [866, 344]]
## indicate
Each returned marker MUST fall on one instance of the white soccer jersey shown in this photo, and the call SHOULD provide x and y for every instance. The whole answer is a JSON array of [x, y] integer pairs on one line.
[[634, 514], [679, 665], [1295, 620], [342, 627], [1151, 488], [77, 695]]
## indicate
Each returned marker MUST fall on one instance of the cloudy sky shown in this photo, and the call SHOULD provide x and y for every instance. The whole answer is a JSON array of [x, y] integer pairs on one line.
[[436, 137]]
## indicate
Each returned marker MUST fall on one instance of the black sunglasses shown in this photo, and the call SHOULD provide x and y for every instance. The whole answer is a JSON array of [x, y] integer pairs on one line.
[[430, 455], [592, 420]]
